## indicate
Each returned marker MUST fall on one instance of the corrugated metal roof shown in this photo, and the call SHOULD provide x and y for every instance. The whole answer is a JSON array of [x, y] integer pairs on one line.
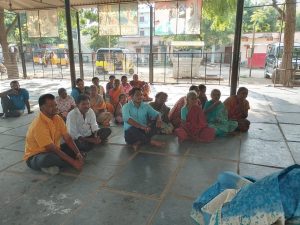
[[20, 5]]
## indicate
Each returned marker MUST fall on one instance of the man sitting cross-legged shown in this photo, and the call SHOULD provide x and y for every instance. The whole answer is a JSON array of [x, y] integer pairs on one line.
[[83, 127], [135, 115], [42, 149]]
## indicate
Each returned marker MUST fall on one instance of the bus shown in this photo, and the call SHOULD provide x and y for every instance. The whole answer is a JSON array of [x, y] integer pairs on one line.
[[114, 60]]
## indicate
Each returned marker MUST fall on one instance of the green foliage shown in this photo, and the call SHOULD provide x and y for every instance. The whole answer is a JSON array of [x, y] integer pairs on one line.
[[89, 24]]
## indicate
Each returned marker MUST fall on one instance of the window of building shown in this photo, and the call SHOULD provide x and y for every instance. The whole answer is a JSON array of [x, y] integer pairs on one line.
[[142, 19], [142, 33]]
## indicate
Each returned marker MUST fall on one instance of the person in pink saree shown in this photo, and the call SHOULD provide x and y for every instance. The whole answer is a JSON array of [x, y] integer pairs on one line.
[[194, 126]]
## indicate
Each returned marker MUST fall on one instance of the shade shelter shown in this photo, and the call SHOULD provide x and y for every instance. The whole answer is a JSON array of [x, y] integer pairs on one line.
[[27, 5]]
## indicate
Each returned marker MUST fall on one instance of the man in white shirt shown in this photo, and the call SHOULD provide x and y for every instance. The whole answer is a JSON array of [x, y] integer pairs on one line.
[[83, 127]]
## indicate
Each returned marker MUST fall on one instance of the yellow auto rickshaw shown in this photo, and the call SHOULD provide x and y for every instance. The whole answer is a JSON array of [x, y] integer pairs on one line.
[[114, 60], [57, 57]]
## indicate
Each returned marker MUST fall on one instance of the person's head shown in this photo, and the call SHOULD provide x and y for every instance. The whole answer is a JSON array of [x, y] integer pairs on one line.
[[80, 83], [83, 103], [93, 90], [15, 85], [215, 95], [242, 93], [124, 79], [191, 98], [135, 77], [161, 98], [195, 88], [95, 81], [202, 88], [116, 83], [136, 95], [62, 92], [122, 99], [48, 105], [112, 78]]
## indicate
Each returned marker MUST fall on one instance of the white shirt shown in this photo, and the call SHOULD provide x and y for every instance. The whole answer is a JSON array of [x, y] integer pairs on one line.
[[78, 126]]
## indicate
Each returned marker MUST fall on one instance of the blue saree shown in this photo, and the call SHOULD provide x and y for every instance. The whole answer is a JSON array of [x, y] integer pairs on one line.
[[236, 200]]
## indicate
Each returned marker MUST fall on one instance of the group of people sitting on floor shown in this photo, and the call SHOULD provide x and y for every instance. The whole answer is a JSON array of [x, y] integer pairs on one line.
[[77, 118]]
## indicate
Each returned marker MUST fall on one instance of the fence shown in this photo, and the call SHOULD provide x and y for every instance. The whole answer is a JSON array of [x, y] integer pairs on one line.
[[167, 67]]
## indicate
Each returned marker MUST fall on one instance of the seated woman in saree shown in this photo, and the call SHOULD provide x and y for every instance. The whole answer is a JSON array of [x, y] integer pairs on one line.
[[115, 92], [194, 125], [216, 115], [98, 105], [65, 103], [237, 107], [234, 199], [174, 115], [118, 111], [160, 105], [136, 83]]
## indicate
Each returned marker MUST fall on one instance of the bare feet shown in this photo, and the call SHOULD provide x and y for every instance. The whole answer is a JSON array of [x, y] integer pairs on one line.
[[158, 144], [136, 146]]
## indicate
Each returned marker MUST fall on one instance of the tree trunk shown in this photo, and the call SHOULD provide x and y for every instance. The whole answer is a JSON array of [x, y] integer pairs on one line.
[[289, 33], [10, 61]]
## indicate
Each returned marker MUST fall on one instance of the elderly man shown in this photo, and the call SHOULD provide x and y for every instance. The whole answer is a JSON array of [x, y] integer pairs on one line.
[[42, 149], [83, 127], [14, 100]]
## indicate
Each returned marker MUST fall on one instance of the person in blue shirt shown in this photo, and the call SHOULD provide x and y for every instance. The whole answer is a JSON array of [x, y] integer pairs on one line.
[[80, 89], [136, 115], [14, 100]]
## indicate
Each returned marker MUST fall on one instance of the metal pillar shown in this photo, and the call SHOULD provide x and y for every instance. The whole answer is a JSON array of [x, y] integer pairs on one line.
[[79, 46], [70, 42], [236, 47], [21, 48], [151, 46]]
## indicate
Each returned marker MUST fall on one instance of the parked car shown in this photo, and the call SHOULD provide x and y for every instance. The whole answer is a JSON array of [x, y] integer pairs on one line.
[[274, 57]]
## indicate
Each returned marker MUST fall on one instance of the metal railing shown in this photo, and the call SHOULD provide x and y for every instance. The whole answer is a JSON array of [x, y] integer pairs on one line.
[[208, 68]]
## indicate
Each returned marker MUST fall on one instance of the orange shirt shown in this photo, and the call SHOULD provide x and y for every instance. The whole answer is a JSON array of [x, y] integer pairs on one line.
[[42, 132]]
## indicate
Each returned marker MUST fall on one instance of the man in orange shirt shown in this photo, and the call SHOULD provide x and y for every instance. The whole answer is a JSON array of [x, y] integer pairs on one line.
[[42, 148]]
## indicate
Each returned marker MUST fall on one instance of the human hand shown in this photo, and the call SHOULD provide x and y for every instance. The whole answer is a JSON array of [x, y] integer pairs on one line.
[[158, 123], [79, 156], [217, 103], [78, 164], [96, 140]]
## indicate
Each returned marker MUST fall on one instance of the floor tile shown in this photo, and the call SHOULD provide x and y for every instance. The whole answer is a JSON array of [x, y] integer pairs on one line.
[[9, 157], [14, 186], [6, 140], [18, 146], [295, 149], [292, 118], [291, 131], [172, 146], [261, 117], [3, 129], [110, 208], [50, 202], [198, 174], [19, 132], [224, 148], [256, 171], [263, 131], [268, 153], [174, 211], [145, 174]]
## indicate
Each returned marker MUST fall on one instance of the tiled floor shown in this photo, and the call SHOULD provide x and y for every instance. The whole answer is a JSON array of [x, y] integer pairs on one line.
[[150, 186]]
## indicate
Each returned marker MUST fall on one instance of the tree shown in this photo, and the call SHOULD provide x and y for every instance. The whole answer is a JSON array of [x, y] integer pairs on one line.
[[89, 22], [289, 17], [7, 24]]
